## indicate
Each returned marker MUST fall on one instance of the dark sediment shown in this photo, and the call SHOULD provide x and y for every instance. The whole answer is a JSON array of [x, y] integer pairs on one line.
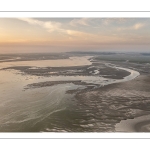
[[103, 70], [32, 56], [112, 103], [52, 83], [99, 109]]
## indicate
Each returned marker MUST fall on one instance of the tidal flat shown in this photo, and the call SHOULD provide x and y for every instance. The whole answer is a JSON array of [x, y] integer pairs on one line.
[[74, 92]]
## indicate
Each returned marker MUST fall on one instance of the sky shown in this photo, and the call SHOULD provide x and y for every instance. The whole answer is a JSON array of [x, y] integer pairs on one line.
[[74, 34]]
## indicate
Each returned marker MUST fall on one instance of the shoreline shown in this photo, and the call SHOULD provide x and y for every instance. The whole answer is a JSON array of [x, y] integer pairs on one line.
[[97, 109], [138, 124], [119, 102], [85, 80]]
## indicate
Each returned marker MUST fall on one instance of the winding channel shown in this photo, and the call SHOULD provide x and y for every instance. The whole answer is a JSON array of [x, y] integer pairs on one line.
[[15, 102]]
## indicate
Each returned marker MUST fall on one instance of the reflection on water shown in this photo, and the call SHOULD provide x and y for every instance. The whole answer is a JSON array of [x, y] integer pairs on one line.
[[46, 108], [72, 61], [22, 110]]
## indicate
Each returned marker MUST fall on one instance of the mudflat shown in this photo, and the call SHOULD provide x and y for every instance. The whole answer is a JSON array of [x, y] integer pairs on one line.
[[121, 101], [90, 96]]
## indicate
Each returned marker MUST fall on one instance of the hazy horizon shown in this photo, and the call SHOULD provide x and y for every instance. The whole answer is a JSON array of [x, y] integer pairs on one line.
[[38, 35], [101, 85]]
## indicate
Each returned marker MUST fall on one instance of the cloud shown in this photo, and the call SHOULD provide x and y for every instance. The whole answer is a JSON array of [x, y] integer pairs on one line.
[[74, 33], [108, 21], [95, 39], [138, 26], [49, 25], [79, 36], [97, 22], [82, 21], [56, 26], [121, 30]]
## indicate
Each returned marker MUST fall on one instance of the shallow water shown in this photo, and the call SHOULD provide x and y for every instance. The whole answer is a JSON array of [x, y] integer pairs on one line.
[[46, 108], [72, 61]]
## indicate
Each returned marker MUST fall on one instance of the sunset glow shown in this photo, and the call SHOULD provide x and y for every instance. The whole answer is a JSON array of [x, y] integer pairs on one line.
[[74, 34]]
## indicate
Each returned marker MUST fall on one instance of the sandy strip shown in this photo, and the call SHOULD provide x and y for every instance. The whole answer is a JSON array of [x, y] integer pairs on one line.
[[138, 124], [72, 61]]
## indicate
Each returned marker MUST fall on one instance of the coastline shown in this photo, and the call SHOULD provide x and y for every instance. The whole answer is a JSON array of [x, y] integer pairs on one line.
[[118, 102], [92, 109], [138, 124]]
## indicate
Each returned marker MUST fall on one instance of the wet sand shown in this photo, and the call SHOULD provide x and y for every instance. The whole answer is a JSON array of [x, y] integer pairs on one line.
[[102, 107], [52, 83], [78, 106], [144, 125], [91, 69], [138, 124], [120, 101]]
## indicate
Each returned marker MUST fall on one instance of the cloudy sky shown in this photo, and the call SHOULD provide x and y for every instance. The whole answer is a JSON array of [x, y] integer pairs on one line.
[[74, 34]]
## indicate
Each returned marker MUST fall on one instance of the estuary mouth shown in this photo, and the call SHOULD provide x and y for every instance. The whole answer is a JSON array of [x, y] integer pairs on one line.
[[77, 94]]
